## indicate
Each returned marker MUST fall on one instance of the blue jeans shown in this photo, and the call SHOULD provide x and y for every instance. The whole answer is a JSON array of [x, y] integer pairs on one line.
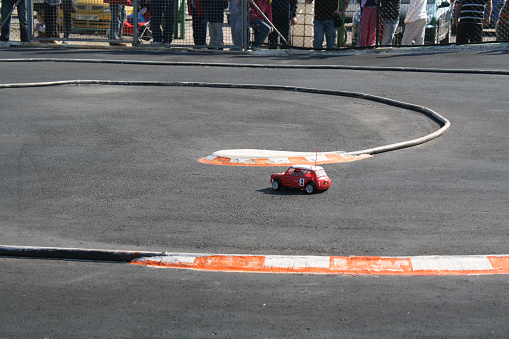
[[261, 31], [389, 28], [321, 28], [162, 13], [7, 6], [118, 16]]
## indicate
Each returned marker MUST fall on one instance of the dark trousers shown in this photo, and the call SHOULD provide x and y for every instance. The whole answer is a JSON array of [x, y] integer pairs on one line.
[[469, 32], [7, 8], [283, 26], [67, 24], [199, 29], [50, 20], [162, 13]]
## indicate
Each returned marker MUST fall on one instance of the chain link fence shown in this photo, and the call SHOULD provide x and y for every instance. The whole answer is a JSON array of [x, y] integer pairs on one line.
[[255, 24]]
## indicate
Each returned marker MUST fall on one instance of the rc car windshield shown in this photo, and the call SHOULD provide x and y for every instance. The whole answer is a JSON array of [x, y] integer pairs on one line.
[[320, 173]]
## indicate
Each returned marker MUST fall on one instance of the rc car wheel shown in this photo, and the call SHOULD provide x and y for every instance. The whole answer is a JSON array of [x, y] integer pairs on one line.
[[276, 185], [310, 188]]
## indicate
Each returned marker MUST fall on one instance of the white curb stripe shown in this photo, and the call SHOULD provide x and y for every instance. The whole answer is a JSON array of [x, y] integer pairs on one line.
[[451, 263], [297, 262]]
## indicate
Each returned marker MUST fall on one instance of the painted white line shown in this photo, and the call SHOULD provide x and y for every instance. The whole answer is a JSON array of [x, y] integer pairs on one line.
[[436, 263], [297, 262]]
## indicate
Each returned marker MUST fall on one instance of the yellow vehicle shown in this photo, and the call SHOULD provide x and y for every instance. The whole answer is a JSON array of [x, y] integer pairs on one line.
[[92, 16]]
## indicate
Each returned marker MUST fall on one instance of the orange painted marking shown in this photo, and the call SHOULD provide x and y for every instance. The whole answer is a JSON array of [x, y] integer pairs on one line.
[[333, 158], [500, 264], [353, 265], [371, 265]]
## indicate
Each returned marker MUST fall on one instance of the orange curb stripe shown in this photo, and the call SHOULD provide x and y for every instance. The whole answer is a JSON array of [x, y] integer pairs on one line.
[[353, 265], [333, 158]]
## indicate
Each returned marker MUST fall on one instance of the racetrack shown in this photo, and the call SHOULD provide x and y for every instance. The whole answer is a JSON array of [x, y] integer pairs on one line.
[[116, 167]]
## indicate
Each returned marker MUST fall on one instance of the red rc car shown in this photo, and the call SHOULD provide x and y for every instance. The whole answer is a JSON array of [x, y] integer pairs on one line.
[[307, 177]]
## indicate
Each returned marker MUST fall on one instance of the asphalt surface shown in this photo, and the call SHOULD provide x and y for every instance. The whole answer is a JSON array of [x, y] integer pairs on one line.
[[115, 167]]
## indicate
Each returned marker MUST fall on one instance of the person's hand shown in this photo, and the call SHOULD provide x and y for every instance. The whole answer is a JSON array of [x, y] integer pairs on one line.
[[486, 21], [293, 21]]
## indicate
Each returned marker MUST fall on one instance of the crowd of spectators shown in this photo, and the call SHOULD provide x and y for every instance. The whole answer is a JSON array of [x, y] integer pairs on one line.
[[270, 21]]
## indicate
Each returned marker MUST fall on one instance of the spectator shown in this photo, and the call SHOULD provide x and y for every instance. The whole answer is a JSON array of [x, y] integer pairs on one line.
[[214, 15], [162, 15], [236, 22], [471, 16], [261, 28], [51, 8], [68, 7], [415, 23], [323, 22], [199, 22], [118, 16], [502, 28], [369, 21], [39, 27], [284, 15], [389, 14], [7, 9]]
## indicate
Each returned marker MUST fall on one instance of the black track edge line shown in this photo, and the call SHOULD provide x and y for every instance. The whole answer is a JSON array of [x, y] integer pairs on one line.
[[74, 253], [444, 123], [268, 66]]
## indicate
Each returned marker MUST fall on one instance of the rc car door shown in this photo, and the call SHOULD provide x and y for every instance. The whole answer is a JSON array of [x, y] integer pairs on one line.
[[291, 178]]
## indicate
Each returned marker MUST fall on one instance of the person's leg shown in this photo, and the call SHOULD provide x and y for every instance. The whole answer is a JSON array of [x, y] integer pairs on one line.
[[330, 34], [319, 32], [50, 20], [236, 28], [212, 34], [218, 26], [371, 21], [476, 33], [461, 34], [420, 26], [389, 28], [199, 30], [363, 29], [282, 24], [7, 6], [284, 29], [411, 31], [169, 18], [273, 36], [261, 31], [23, 24], [67, 20], [156, 15], [115, 17], [123, 17]]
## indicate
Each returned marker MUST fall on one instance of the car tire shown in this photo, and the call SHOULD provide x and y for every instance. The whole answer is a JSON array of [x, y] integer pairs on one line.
[[276, 184], [310, 188]]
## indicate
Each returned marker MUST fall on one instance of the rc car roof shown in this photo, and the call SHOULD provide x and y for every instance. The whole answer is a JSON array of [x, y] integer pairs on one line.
[[308, 167]]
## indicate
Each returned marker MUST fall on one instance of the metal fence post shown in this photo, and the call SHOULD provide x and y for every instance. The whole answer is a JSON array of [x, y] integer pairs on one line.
[[245, 26], [377, 41], [30, 19], [135, 23]]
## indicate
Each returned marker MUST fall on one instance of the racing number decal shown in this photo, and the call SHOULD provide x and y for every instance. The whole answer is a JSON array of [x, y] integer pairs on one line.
[[301, 182]]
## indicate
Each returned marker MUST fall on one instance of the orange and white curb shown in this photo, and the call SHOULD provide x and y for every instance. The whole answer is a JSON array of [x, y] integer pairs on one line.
[[257, 157], [352, 265]]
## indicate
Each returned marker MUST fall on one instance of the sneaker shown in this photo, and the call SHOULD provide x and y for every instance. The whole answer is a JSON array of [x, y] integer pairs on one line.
[[5, 44]]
